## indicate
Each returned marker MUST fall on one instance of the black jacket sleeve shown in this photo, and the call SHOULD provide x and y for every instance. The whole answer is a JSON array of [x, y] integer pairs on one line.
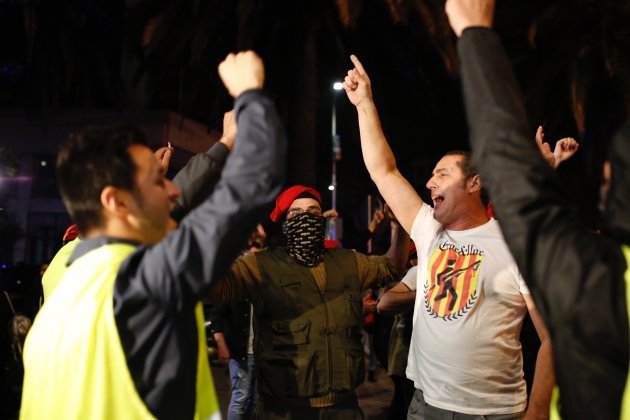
[[179, 270], [198, 178], [575, 276], [216, 315]]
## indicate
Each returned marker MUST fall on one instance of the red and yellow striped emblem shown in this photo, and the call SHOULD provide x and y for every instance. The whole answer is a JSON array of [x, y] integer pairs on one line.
[[451, 287]]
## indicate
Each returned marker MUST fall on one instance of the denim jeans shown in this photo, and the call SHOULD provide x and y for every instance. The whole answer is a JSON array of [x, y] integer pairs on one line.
[[243, 388]]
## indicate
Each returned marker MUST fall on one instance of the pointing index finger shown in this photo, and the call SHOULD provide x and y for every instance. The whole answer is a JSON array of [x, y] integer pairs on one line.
[[357, 64]]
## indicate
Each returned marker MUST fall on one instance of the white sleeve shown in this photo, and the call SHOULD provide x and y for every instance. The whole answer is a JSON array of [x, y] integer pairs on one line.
[[410, 278], [424, 225], [423, 232], [522, 286]]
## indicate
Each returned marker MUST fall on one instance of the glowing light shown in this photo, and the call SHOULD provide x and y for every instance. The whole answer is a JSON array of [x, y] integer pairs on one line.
[[331, 188], [337, 86]]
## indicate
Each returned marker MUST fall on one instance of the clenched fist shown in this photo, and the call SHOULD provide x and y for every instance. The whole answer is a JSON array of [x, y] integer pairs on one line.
[[241, 72], [464, 14]]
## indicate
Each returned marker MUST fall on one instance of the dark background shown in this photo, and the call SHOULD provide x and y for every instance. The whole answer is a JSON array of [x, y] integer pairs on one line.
[[68, 63]]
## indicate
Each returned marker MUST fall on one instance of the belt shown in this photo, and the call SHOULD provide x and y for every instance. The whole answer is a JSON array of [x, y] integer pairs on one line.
[[328, 400]]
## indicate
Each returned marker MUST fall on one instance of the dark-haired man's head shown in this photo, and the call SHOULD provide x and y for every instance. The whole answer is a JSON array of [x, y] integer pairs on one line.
[[456, 192], [112, 184]]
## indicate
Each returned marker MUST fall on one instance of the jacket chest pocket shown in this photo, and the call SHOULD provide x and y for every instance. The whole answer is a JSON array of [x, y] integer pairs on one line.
[[291, 287], [288, 335]]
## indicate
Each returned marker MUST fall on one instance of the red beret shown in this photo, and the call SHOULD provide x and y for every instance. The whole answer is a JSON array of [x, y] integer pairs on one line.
[[288, 196]]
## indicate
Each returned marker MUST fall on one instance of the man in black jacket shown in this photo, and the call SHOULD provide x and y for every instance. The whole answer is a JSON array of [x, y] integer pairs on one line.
[[575, 275], [123, 328]]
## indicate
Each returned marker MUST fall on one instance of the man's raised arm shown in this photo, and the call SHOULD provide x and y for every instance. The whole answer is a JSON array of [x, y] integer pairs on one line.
[[180, 270], [201, 174], [377, 155], [573, 274], [530, 203]]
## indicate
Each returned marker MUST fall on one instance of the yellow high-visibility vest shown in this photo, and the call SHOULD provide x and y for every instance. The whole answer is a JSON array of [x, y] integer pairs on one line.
[[57, 268], [625, 404], [74, 363]]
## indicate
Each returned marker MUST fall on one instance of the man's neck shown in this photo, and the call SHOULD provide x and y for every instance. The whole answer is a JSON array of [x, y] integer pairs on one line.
[[468, 221], [112, 232]]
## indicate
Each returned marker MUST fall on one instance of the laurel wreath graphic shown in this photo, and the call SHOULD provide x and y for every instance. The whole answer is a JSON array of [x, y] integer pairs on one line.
[[451, 317]]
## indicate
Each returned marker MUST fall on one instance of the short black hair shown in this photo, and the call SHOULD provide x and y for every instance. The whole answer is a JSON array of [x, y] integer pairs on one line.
[[90, 160], [468, 169]]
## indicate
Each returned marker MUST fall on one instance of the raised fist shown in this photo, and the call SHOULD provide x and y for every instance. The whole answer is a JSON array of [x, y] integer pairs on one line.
[[242, 71], [464, 14]]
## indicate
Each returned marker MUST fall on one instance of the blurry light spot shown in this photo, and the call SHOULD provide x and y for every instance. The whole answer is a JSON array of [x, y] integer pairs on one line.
[[337, 86]]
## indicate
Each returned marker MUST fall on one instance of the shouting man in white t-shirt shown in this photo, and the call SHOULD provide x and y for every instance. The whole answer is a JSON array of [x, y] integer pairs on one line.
[[465, 357]]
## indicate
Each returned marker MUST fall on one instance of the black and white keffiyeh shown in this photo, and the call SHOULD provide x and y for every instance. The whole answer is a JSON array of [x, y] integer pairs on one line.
[[305, 238]]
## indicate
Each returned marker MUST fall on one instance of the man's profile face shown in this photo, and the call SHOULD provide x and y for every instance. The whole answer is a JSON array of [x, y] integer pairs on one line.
[[155, 196], [304, 205], [448, 188]]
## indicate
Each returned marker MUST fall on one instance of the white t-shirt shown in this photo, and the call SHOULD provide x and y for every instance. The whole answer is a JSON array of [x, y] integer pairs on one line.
[[410, 278], [465, 352]]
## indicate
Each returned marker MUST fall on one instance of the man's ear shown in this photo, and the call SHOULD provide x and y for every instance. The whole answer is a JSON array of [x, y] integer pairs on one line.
[[114, 200], [474, 184]]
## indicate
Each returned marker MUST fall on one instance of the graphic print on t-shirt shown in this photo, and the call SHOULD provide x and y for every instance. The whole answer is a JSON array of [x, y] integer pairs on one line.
[[450, 291]]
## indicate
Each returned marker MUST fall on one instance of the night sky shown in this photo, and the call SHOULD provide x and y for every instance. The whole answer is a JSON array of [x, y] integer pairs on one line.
[[140, 56]]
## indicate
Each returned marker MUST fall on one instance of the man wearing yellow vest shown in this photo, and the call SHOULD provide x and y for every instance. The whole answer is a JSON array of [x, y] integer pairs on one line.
[[124, 338], [575, 275], [196, 182]]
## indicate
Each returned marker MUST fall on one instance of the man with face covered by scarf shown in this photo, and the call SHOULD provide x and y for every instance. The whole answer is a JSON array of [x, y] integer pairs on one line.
[[308, 312], [303, 226]]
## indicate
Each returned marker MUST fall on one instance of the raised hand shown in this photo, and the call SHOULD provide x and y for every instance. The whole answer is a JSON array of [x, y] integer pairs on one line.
[[228, 137], [565, 149], [357, 84], [545, 149], [163, 155], [377, 218], [464, 14], [241, 72]]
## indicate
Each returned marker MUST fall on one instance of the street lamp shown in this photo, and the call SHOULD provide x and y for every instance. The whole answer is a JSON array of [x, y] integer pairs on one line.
[[336, 145], [333, 228]]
